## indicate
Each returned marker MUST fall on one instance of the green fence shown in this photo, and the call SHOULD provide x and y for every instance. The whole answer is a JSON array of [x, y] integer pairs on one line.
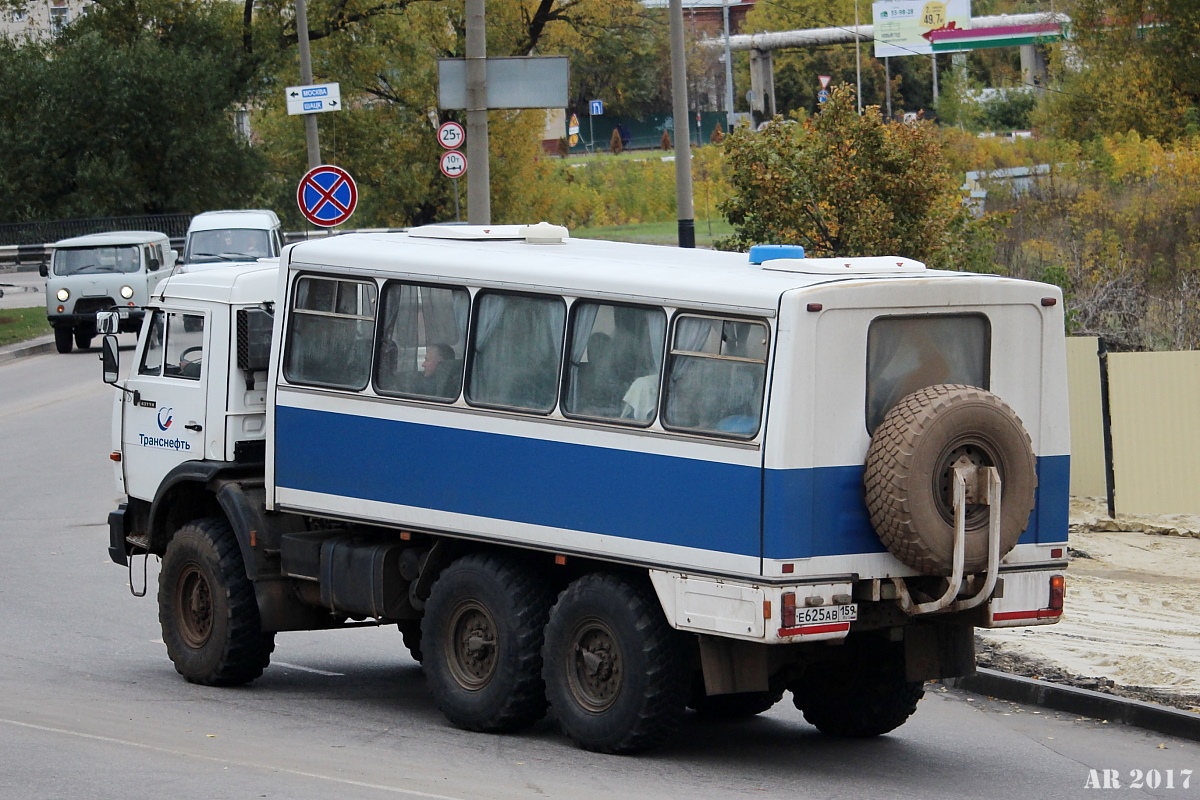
[[642, 134]]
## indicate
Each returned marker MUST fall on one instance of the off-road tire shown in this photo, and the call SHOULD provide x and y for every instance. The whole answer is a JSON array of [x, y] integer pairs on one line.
[[481, 641], [908, 477], [64, 340], [633, 694], [83, 338], [868, 696], [207, 607]]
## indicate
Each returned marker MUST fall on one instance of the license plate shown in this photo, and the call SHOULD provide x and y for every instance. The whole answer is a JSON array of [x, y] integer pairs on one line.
[[816, 615]]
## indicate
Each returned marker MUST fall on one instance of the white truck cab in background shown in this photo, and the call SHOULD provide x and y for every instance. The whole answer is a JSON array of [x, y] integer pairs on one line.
[[230, 237], [619, 480]]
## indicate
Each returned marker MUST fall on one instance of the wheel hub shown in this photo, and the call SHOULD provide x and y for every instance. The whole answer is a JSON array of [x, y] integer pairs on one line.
[[194, 606], [965, 455], [596, 671], [472, 645]]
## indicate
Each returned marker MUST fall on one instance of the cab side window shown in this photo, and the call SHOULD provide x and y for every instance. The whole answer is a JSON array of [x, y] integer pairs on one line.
[[614, 364], [422, 341], [152, 357], [715, 376], [174, 346], [516, 348], [330, 333]]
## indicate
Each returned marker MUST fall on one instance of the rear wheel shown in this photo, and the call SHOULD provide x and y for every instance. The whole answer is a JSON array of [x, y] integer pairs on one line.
[[616, 672], [208, 609], [481, 639], [863, 695], [63, 339], [410, 629]]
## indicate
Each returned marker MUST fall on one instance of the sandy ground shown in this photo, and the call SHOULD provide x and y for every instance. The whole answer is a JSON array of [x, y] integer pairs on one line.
[[1132, 619]]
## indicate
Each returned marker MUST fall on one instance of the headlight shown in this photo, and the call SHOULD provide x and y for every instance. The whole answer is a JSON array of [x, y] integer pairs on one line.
[[62, 295], [127, 292]]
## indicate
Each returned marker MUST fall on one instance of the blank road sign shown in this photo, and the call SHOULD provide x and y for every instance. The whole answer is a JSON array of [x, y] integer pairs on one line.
[[520, 82], [315, 98]]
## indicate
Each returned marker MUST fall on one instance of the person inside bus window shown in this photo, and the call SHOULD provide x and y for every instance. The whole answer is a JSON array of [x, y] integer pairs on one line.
[[440, 371]]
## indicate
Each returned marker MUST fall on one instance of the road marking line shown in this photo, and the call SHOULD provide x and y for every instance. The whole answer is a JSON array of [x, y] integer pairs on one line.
[[308, 669], [249, 764]]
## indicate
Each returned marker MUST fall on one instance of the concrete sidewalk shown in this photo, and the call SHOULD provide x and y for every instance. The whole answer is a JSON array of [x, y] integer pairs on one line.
[[32, 347]]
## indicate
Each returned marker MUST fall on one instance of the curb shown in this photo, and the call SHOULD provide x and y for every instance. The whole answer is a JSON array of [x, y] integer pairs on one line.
[[1084, 702], [35, 347]]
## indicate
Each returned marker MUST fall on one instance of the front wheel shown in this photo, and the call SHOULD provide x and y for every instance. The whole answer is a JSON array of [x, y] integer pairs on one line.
[[63, 340], [208, 609], [83, 338], [616, 672]]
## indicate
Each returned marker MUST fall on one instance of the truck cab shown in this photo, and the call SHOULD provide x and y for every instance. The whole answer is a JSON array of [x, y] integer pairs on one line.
[[216, 238]]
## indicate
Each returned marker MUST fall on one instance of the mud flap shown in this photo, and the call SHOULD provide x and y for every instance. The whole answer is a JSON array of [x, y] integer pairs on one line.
[[939, 650]]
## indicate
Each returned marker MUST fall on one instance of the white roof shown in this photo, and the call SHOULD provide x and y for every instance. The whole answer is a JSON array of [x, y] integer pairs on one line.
[[598, 268], [110, 238], [252, 218], [235, 284]]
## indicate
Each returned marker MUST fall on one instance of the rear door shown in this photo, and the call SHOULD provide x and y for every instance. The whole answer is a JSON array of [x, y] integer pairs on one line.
[[164, 420]]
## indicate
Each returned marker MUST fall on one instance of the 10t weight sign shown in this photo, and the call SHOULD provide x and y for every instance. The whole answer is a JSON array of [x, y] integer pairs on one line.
[[453, 164]]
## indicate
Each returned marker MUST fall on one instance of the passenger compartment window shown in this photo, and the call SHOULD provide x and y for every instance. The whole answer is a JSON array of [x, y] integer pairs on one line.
[[615, 362], [422, 340], [330, 333], [516, 348], [905, 354], [715, 376]]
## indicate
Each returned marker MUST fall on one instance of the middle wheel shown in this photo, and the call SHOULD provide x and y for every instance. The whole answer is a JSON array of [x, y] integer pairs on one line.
[[616, 672], [481, 639]]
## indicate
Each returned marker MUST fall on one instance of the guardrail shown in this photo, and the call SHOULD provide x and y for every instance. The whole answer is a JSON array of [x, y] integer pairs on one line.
[[33, 256]]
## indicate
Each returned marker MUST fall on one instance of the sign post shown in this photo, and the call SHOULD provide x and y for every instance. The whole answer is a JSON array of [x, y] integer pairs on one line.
[[327, 195], [453, 164], [595, 109]]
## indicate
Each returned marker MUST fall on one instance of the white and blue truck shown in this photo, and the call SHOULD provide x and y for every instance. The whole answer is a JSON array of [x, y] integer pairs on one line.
[[615, 480]]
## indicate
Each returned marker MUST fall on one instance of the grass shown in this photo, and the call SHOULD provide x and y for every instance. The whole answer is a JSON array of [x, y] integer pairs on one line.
[[21, 324], [657, 232]]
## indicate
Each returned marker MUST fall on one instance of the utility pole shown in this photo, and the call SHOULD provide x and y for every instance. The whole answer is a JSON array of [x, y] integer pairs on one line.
[[858, 58], [728, 70], [683, 147], [306, 77], [479, 201]]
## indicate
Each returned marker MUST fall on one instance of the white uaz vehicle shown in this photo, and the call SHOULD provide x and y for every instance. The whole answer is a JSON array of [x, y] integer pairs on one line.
[[619, 480], [216, 238], [97, 272]]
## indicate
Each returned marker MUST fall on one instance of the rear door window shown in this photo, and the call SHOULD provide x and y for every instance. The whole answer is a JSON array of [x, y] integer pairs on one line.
[[905, 354]]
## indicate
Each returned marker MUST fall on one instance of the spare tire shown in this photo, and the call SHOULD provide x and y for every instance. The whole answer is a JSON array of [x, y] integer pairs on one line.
[[910, 468]]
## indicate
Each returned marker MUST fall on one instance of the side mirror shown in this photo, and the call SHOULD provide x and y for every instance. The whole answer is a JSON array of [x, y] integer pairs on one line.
[[173, 256], [43, 270], [108, 321], [111, 359]]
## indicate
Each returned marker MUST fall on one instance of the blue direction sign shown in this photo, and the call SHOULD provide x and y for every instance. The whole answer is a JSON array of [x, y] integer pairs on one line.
[[327, 196], [823, 96], [596, 108]]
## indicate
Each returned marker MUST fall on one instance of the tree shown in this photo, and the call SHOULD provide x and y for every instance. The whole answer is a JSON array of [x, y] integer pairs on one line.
[[98, 125], [1129, 66], [843, 185]]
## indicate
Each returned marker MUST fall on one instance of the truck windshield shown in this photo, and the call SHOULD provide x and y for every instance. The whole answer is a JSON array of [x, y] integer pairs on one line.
[[227, 244], [97, 260]]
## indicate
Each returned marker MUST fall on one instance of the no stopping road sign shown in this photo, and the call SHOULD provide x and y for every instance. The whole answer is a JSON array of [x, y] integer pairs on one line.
[[327, 195]]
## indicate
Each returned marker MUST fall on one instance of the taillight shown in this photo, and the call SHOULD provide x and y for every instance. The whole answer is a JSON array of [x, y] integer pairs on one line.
[[787, 610], [1058, 590]]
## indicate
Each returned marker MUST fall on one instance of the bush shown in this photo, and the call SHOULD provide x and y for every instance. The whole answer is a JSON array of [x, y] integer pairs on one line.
[[665, 142], [614, 142], [718, 134]]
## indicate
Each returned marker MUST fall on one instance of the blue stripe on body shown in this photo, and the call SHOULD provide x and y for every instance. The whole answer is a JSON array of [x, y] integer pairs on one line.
[[640, 496], [822, 512]]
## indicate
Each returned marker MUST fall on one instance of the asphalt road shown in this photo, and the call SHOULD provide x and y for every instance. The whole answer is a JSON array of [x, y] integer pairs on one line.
[[90, 707]]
